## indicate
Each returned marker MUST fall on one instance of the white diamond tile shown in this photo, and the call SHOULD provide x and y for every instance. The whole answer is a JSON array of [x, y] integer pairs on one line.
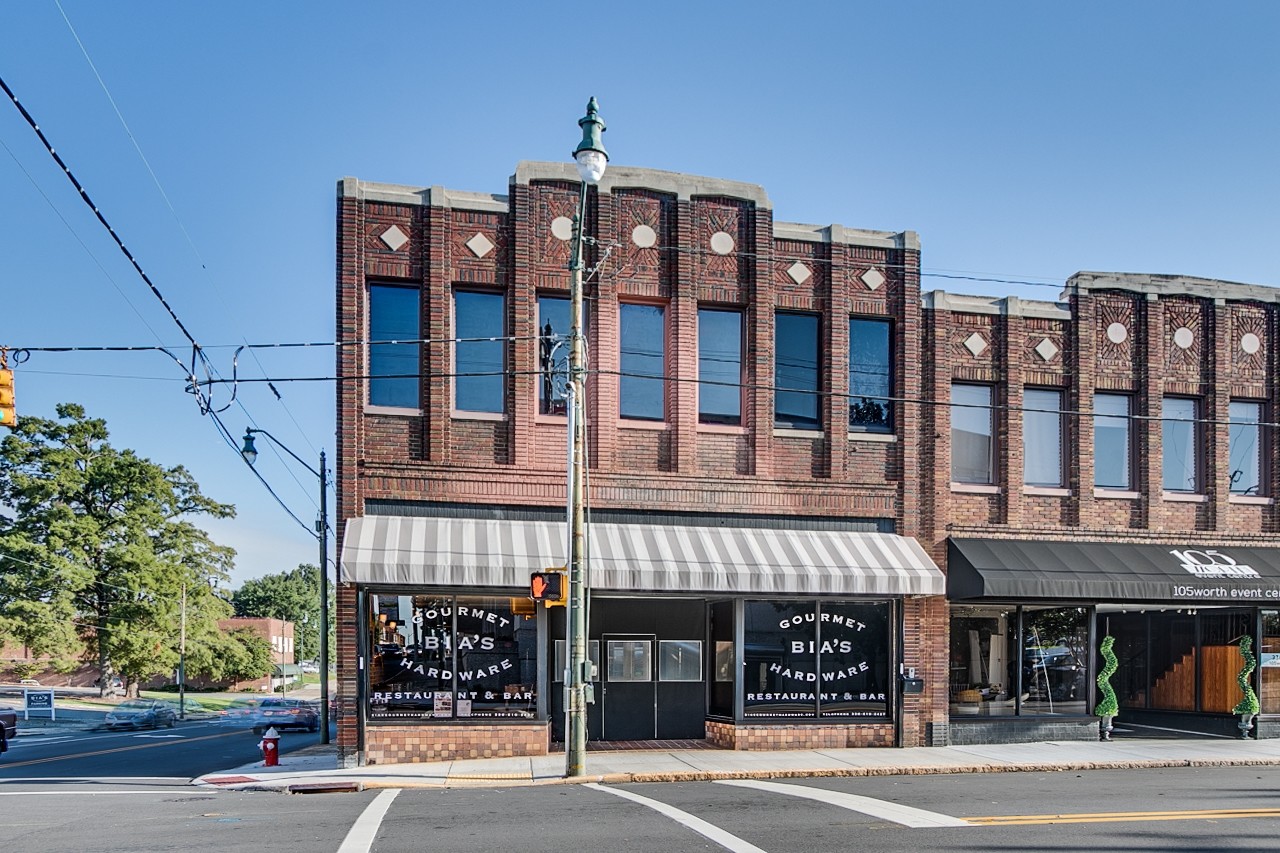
[[799, 273], [873, 278], [1046, 349], [975, 344], [480, 245], [394, 238]]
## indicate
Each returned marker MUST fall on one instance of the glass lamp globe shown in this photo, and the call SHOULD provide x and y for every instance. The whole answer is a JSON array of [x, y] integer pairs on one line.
[[591, 165]]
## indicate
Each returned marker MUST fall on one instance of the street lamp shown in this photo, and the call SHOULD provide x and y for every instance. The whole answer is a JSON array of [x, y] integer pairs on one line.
[[591, 159], [250, 454]]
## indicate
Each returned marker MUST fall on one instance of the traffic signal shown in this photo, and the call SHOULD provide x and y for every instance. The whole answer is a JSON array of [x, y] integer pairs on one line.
[[548, 587], [8, 414]]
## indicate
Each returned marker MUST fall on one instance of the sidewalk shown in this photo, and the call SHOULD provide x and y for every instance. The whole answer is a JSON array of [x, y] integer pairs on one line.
[[315, 769]]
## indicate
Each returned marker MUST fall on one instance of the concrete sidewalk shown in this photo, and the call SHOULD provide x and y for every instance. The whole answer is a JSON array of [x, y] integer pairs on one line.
[[315, 769]]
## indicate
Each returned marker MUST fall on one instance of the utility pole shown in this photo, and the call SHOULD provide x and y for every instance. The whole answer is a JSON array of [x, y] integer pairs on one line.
[[591, 159], [182, 657]]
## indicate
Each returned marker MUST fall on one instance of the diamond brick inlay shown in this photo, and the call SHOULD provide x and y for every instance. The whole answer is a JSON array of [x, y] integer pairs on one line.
[[480, 244], [799, 273], [873, 278], [1046, 349], [394, 238], [975, 344]]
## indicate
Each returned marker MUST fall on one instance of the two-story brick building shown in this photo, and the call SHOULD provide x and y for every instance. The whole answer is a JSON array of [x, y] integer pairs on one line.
[[1104, 465], [754, 577], [786, 440]]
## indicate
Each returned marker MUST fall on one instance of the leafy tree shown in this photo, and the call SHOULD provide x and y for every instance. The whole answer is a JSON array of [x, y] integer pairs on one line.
[[239, 655], [97, 546], [293, 595]]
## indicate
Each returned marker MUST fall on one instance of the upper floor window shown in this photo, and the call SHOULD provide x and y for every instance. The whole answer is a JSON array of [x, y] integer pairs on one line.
[[1112, 449], [719, 366], [553, 354], [795, 371], [642, 362], [479, 361], [870, 378], [1246, 448], [1180, 428], [394, 367], [1042, 437], [972, 456]]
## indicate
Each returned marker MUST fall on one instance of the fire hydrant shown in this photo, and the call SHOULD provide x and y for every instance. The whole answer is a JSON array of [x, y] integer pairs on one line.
[[270, 746]]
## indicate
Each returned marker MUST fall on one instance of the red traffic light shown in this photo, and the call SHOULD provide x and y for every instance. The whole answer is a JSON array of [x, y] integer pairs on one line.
[[547, 587]]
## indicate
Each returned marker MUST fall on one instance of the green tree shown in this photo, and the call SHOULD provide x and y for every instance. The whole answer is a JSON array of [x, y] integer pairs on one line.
[[97, 546], [238, 655], [293, 595]]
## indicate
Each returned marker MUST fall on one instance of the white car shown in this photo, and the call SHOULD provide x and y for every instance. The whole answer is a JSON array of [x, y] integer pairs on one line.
[[310, 667]]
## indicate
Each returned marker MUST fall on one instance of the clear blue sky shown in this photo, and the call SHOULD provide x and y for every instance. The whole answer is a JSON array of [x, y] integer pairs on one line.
[[1023, 141]]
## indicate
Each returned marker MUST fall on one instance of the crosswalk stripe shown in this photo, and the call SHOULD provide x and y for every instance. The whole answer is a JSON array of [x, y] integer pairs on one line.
[[362, 833], [883, 809], [711, 831]]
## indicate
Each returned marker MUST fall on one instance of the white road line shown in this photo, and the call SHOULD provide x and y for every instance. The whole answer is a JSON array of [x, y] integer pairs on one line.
[[900, 814], [360, 837], [698, 825], [78, 793]]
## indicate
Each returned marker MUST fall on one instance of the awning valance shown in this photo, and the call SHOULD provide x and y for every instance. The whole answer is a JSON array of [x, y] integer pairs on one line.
[[637, 557], [1107, 572]]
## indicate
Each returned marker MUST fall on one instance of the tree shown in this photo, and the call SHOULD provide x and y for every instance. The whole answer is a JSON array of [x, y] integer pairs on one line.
[[239, 655], [294, 596], [98, 547]]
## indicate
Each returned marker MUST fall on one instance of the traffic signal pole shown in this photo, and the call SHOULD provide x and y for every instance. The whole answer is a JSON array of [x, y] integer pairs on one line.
[[576, 735]]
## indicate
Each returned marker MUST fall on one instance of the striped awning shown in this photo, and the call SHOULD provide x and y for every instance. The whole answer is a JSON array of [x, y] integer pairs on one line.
[[467, 552]]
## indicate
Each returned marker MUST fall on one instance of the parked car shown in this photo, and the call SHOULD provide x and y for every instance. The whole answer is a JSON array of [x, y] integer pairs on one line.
[[29, 682], [8, 727], [310, 666], [141, 714], [286, 714]]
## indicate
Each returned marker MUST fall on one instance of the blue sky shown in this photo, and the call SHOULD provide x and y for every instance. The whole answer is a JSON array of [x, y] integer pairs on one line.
[[1022, 141]]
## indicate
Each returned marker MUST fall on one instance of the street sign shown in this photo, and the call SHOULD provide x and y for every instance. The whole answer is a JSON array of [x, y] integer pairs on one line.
[[37, 700]]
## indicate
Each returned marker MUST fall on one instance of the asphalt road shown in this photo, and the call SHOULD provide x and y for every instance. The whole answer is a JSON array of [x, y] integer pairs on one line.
[[188, 750], [1185, 810]]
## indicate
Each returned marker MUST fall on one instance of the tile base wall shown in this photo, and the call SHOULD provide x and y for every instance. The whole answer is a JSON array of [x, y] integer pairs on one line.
[[409, 744], [770, 737]]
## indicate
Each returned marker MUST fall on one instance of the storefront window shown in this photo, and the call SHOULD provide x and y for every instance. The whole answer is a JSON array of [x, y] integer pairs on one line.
[[805, 659], [997, 671], [1269, 662], [450, 657]]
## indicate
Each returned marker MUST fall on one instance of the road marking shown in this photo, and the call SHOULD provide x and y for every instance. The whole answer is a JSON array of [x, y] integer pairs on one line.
[[883, 809], [8, 765], [360, 837], [1120, 817], [183, 737], [697, 824], [41, 741], [78, 793]]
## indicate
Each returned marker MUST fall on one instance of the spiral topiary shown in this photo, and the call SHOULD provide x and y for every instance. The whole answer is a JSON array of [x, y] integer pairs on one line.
[[1108, 706], [1249, 704]]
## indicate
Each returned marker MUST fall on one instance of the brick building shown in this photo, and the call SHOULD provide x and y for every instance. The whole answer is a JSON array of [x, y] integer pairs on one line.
[[1104, 465], [754, 577]]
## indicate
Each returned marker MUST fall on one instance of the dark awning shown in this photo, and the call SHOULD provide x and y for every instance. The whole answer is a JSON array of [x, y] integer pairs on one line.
[[1102, 571]]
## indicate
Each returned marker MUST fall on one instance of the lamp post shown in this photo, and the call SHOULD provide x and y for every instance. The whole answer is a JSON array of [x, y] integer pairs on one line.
[[250, 455], [591, 159]]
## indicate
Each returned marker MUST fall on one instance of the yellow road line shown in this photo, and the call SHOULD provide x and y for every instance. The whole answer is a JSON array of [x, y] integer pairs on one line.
[[9, 764], [1118, 817]]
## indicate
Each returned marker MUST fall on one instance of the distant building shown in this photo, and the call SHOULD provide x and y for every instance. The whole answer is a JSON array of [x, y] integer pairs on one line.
[[278, 632]]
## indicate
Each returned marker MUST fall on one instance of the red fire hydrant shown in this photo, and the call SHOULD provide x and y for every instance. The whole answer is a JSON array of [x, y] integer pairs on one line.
[[270, 746]]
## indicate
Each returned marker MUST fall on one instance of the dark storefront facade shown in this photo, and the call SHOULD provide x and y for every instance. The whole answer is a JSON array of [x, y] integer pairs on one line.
[[711, 633], [1027, 618]]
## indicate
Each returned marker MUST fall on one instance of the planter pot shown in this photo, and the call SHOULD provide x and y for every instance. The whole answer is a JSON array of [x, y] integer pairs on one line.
[[1245, 724], [1104, 729]]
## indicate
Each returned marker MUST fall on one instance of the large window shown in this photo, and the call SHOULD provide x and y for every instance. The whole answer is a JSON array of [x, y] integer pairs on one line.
[[642, 362], [393, 367], [870, 377], [972, 458], [553, 354], [1246, 448], [1180, 428], [809, 659], [1028, 660], [479, 325], [1042, 437], [450, 657], [1112, 451], [795, 371], [719, 366]]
